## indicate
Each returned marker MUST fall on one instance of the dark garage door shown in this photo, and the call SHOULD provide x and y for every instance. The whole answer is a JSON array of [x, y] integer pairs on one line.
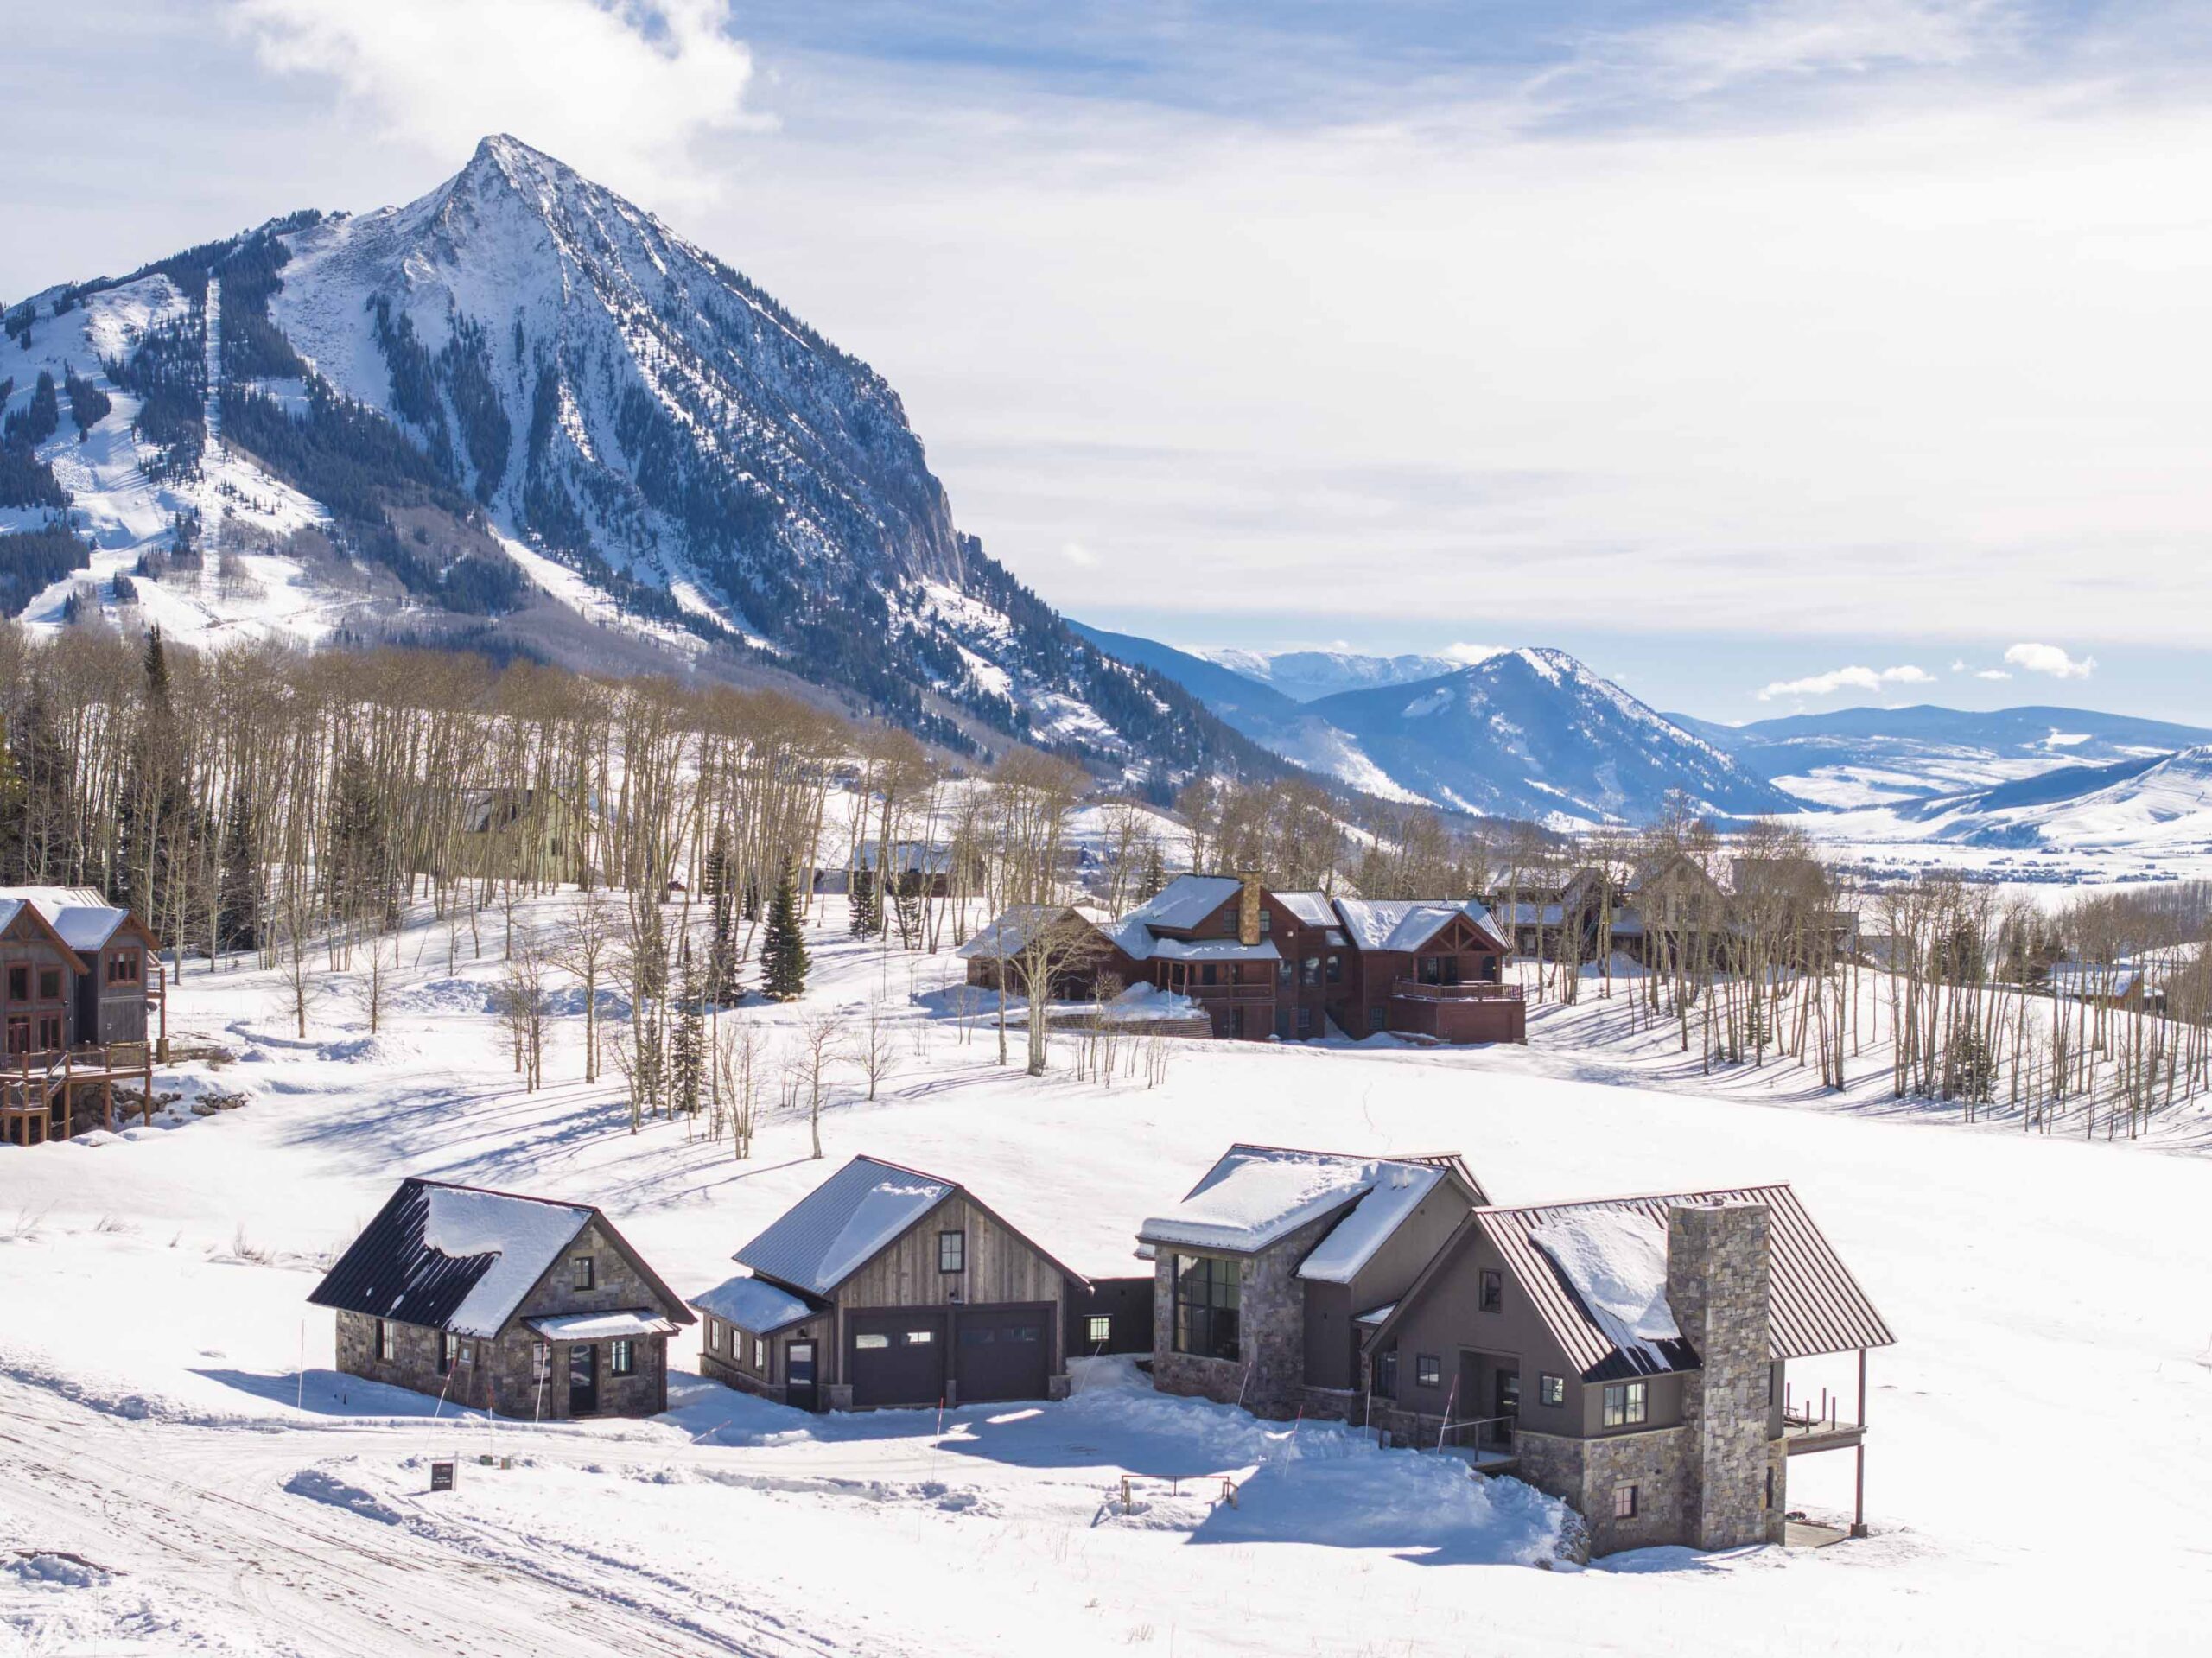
[[1003, 1352], [897, 1358]]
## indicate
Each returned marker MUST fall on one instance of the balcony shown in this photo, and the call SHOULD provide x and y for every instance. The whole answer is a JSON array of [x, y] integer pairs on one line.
[[1414, 990], [1807, 1428]]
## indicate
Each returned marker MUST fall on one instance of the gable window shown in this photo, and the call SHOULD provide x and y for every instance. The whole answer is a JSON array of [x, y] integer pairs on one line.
[[1209, 1292], [1100, 1328], [1551, 1390], [19, 984], [122, 969], [1493, 1290], [581, 1272], [1267, 921], [387, 1340], [952, 1252], [761, 1354], [50, 984], [622, 1357], [1428, 1370], [1623, 1502], [1627, 1403]]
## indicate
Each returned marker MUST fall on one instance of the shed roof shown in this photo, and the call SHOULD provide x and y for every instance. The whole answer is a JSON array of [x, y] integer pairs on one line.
[[1814, 1303], [755, 1304], [461, 1258]]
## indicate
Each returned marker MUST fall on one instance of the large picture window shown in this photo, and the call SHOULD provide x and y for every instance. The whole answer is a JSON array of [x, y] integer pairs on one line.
[[1207, 1291], [1627, 1403]]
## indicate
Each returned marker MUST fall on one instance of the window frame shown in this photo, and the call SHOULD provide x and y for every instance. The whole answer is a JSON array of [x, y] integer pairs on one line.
[[1099, 1327], [583, 1272], [622, 1356], [956, 1237], [387, 1342], [1198, 1325], [1491, 1297], [760, 1355], [1551, 1390], [1626, 1504], [19, 981], [49, 975], [449, 1351], [1625, 1404], [1428, 1370]]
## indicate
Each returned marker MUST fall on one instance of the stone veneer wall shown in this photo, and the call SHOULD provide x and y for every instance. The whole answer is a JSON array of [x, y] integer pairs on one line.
[[1717, 1271], [1271, 1331], [1585, 1474]]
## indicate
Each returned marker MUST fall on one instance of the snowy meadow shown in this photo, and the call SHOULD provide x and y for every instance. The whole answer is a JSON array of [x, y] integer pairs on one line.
[[181, 1469]]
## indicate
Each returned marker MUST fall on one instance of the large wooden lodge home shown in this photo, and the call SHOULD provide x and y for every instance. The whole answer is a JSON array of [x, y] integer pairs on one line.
[[524, 1306], [888, 1287], [1628, 1356], [80, 996], [1284, 965]]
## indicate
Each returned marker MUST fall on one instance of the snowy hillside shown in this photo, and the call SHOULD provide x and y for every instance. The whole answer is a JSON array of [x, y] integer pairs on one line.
[[1308, 675], [2165, 804], [185, 1471], [520, 398]]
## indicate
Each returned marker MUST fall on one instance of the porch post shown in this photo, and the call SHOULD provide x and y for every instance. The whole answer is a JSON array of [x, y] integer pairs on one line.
[[1858, 1452]]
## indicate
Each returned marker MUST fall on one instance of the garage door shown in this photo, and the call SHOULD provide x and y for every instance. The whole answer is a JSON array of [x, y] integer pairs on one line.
[[1003, 1352], [897, 1357]]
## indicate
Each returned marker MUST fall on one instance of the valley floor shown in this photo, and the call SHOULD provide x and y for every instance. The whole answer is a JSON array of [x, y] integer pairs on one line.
[[180, 1470]]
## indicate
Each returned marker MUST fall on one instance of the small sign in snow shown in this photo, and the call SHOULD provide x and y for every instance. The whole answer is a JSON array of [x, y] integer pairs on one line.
[[441, 1476]]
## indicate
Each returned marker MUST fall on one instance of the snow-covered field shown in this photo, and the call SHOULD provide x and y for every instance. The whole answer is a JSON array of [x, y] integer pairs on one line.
[[174, 1478]]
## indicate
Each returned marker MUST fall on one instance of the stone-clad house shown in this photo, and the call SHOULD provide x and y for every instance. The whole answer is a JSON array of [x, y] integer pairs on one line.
[[522, 1306], [1628, 1356], [888, 1288], [1270, 1270]]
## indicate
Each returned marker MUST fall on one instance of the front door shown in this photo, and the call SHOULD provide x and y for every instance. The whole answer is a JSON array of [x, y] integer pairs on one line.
[[799, 1376], [1506, 1404], [583, 1380]]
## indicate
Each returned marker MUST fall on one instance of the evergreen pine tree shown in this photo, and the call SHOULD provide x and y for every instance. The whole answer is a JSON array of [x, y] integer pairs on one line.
[[721, 986], [239, 896], [157, 673], [783, 951], [14, 798], [1154, 875], [688, 1045], [862, 903]]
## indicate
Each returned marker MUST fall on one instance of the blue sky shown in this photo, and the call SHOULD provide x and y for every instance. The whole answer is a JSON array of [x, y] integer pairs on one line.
[[1733, 346]]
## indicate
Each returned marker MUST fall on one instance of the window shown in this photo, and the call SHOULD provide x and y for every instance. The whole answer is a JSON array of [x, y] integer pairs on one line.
[[1551, 1390], [50, 984], [714, 1336], [1208, 1292], [622, 1357], [869, 1344], [1100, 1329], [920, 1337], [1267, 921], [1282, 971], [952, 1252], [1208, 974], [448, 1351], [1336, 969], [387, 1340], [1428, 1370], [761, 1354], [1493, 1290], [1769, 1500], [124, 969], [468, 1352], [19, 984], [49, 1032], [1431, 970], [581, 1272], [1627, 1403], [1310, 971], [1623, 1502]]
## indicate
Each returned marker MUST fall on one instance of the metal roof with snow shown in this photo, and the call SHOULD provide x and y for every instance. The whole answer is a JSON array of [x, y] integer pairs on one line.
[[79, 915], [461, 1258], [1311, 908], [1814, 1303], [1409, 923], [1186, 901], [1009, 933], [755, 1305]]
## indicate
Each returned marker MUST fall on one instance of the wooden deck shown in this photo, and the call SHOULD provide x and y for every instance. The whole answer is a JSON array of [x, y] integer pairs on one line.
[[40, 1092]]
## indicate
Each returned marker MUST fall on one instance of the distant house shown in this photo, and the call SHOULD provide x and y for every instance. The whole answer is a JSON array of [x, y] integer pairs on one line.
[[525, 1306], [908, 868], [1629, 1357], [1088, 954], [1271, 1270], [884, 1287], [1426, 968], [2127, 985], [82, 1007]]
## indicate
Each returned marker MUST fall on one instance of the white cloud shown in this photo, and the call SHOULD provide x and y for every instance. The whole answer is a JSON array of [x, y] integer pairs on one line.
[[1472, 654], [1852, 679], [1992, 673], [1076, 553], [2050, 659], [620, 92]]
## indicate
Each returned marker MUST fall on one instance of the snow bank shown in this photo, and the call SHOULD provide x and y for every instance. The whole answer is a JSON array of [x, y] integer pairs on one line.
[[1617, 1263]]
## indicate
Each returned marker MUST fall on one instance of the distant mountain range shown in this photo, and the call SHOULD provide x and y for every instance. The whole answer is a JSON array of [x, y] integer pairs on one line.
[[1529, 734], [1308, 675]]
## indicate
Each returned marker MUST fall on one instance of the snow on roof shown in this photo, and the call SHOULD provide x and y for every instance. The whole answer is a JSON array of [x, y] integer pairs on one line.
[[1010, 934], [754, 1304], [523, 1236], [2080, 979], [1256, 1195], [1213, 950], [823, 1239], [81, 915], [1311, 908], [1187, 901], [1406, 924], [602, 1327], [1615, 1260], [1374, 1317]]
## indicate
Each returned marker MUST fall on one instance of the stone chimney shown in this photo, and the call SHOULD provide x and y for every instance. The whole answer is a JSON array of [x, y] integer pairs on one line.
[[1717, 1268], [1247, 909]]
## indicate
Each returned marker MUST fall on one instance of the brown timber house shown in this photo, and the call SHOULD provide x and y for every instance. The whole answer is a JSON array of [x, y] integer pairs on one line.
[[82, 1005]]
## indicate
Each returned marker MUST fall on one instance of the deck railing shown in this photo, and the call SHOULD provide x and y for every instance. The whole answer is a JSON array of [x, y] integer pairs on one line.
[[1414, 989]]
